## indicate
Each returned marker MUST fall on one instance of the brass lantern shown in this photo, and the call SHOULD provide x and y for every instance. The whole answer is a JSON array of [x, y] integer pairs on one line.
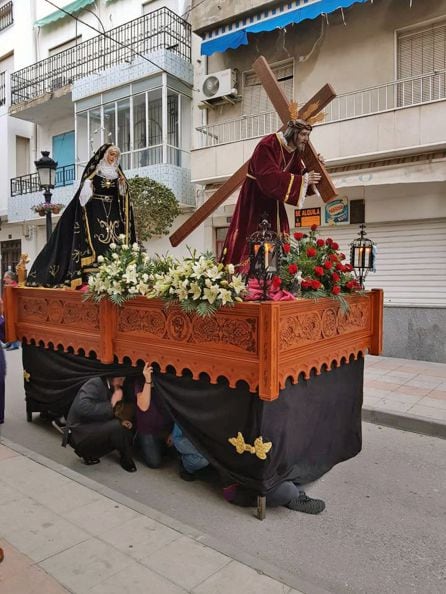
[[264, 254], [362, 255]]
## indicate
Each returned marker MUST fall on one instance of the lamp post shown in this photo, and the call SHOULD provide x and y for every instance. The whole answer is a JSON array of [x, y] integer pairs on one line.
[[362, 255], [46, 169], [264, 251]]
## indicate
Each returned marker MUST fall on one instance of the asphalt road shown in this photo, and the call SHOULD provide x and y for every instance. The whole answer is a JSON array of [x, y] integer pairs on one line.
[[384, 529]]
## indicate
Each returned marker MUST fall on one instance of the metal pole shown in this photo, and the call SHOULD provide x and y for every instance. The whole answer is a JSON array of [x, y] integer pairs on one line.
[[49, 227]]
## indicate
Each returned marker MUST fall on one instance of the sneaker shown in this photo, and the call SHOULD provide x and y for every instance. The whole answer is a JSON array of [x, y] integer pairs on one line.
[[184, 474], [59, 425], [306, 504], [128, 464], [12, 347]]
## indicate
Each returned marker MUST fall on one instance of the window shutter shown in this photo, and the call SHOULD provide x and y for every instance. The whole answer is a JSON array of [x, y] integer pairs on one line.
[[409, 261], [255, 99], [422, 52]]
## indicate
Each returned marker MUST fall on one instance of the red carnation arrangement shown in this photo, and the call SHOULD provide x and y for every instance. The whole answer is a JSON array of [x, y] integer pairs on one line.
[[314, 267]]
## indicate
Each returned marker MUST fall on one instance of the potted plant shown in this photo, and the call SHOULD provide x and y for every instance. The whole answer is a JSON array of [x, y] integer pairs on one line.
[[43, 207]]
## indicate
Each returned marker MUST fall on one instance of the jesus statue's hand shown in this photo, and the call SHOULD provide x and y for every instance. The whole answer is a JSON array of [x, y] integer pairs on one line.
[[314, 177]]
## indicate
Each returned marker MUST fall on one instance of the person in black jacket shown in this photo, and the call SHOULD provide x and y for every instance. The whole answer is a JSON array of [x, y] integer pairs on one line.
[[92, 429]]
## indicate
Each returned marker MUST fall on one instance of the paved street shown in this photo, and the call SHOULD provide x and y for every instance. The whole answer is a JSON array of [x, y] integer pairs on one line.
[[383, 530]]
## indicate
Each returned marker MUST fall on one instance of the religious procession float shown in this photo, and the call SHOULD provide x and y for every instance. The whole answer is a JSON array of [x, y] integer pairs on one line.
[[244, 367], [260, 365]]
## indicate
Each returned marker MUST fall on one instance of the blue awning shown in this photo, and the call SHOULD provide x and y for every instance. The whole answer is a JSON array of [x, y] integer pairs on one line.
[[235, 34], [72, 8]]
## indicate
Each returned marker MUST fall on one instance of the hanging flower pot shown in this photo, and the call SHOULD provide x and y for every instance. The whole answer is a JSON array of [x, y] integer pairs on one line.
[[44, 207]]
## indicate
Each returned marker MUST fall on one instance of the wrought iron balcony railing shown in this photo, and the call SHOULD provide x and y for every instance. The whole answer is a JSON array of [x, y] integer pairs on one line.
[[25, 184], [6, 15], [373, 100], [160, 29], [2, 88]]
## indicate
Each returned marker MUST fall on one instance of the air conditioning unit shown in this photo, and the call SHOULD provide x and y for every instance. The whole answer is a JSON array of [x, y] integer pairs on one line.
[[218, 85]]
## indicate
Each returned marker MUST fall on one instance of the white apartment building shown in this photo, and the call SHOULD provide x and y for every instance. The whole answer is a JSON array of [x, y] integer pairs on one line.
[[110, 71], [383, 137]]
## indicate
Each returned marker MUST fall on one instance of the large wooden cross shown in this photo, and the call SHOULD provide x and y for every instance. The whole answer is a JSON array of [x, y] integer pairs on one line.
[[280, 102]]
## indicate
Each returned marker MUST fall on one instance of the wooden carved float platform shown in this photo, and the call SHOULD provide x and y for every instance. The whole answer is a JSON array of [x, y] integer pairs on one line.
[[261, 343]]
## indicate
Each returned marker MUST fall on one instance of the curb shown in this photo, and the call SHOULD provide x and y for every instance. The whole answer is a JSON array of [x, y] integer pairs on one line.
[[406, 422], [260, 566]]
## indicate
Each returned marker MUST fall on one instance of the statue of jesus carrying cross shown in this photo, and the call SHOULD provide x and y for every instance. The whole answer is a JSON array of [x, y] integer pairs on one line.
[[277, 175], [282, 168]]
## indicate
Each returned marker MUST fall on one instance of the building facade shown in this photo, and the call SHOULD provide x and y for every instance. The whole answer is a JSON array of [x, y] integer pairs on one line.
[[383, 136], [115, 71]]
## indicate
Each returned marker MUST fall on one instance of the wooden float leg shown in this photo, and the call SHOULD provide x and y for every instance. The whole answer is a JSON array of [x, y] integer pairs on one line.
[[261, 507]]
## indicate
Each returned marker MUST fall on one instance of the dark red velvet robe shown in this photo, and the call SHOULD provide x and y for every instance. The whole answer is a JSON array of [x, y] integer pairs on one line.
[[275, 177]]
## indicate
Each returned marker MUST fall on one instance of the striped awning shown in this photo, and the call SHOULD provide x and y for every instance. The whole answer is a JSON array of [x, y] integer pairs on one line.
[[232, 35], [72, 8]]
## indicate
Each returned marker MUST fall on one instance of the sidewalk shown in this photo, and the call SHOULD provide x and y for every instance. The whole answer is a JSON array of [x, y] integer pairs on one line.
[[60, 534], [406, 394]]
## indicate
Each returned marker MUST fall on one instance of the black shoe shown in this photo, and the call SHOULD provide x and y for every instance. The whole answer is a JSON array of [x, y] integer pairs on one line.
[[128, 464], [90, 461], [306, 504]]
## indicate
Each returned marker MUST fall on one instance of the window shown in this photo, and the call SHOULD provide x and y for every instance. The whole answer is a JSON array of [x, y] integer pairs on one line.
[[255, 99], [421, 58], [64, 46], [95, 136], [135, 124], [2, 88], [110, 122], [6, 15], [123, 131], [21, 156]]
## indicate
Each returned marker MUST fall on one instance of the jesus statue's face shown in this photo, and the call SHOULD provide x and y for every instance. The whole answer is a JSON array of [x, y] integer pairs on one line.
[[301, 139]]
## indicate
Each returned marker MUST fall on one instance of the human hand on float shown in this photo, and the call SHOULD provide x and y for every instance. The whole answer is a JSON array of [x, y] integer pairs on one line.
[[147, 373], [117, 396], [127, 424]]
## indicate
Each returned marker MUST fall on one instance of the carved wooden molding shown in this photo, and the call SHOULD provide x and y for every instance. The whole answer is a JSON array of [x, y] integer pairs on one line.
[[262, 344]]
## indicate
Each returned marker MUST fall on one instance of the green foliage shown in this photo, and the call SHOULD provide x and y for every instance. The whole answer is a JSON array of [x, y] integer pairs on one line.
[[154, 207]]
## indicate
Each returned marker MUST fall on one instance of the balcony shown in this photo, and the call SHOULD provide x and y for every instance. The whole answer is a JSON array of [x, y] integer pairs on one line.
[[26, 184], [373, 100], [159, 30], [401, 116], [6, 15]]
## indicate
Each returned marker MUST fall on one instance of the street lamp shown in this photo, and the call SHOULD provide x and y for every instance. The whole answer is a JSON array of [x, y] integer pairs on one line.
[[362, 255], [46, 169]]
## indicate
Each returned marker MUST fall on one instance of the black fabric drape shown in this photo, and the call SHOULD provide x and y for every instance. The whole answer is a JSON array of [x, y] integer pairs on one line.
[[52, 378], [312, 426]]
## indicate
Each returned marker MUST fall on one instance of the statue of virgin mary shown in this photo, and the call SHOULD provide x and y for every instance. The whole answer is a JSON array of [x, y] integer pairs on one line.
[[99, 212]]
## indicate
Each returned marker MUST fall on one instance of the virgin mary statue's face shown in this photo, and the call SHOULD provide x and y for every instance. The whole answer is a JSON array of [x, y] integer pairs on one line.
[[112, 155]]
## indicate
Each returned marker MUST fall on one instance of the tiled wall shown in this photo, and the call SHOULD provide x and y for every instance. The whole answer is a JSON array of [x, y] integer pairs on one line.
[[138, 69]]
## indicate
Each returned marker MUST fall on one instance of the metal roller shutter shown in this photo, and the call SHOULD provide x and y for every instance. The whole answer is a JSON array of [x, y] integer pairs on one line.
[[411, 260]]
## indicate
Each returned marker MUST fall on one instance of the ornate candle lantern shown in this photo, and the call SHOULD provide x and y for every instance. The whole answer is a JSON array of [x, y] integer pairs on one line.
[[264, 254], [362, 255]]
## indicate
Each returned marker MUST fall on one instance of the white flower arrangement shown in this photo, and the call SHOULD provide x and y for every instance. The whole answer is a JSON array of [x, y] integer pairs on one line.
[[123, 272], [199, 284]]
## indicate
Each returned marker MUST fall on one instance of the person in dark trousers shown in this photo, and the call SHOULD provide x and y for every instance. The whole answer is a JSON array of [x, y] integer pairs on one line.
[[92, 429]]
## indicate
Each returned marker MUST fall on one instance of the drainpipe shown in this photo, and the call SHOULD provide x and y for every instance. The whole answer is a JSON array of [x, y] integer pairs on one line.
[[35, 50]]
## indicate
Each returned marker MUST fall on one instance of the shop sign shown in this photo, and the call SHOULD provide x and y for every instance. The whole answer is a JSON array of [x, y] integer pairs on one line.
[[305, 217]]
